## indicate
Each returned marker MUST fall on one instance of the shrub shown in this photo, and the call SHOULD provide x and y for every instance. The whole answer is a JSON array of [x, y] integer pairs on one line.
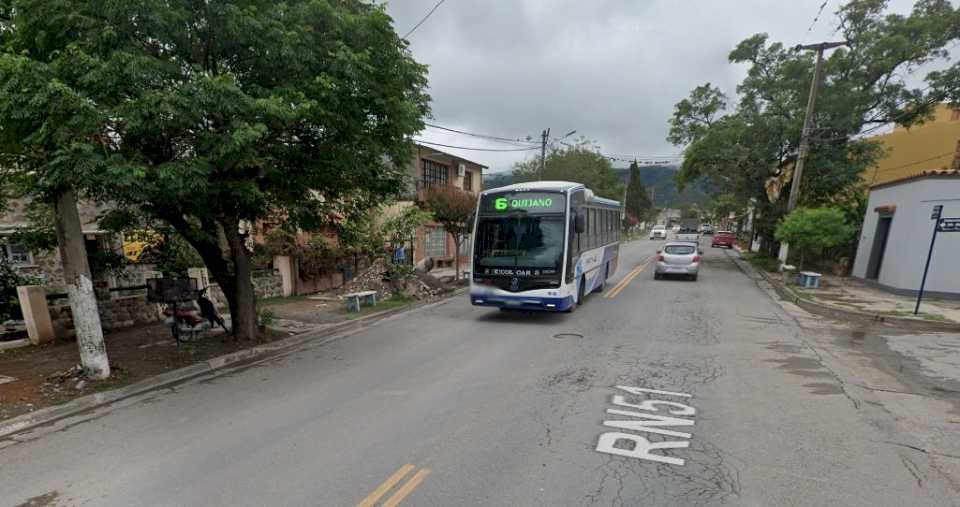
[[811, 230]]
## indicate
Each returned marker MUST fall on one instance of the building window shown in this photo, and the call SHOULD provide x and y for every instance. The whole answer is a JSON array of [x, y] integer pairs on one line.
[[434, 173], [468, 181], [436, 242], [16, 254]]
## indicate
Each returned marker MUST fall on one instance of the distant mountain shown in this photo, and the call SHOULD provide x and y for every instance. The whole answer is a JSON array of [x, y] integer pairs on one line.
[[660, 178], [661, 181]]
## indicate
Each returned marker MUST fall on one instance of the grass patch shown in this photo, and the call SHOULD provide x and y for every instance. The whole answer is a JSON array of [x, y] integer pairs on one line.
[[390, 303], [935, 317], [760, 261]]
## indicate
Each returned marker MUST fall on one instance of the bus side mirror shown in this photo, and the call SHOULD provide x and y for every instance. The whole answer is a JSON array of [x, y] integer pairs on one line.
[[579, 224]]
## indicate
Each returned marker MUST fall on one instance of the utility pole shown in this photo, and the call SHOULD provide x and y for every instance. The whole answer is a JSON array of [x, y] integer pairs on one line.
[[543, 151], [804, 150]]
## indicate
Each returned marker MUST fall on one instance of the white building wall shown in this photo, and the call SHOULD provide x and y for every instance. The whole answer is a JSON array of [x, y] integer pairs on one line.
[[910, 232]]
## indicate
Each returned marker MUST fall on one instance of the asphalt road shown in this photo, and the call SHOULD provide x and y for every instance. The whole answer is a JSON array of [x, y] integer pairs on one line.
[[775, 408]]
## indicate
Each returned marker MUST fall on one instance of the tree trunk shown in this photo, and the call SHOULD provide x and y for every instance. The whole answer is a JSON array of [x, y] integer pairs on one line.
[[83, 300], [456, 258], [244, 308]]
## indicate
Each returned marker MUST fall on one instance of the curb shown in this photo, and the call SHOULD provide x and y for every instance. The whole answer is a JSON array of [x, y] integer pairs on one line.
[[835, 312], [49, 415]]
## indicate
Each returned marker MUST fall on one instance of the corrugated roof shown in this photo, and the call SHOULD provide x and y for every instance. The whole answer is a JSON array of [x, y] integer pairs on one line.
[[923, 174]]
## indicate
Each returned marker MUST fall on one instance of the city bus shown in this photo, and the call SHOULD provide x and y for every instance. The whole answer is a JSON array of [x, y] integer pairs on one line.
[[542, 246]]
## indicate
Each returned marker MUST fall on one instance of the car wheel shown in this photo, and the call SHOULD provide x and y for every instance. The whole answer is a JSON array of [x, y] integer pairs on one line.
[[656, 276], [581, 289], [693, 278]]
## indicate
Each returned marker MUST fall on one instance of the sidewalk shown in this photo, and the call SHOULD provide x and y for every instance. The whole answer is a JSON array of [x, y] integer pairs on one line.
[[854, 294], [852, 298]]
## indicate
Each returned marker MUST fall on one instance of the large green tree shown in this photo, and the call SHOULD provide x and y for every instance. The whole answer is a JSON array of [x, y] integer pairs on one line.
[[739, 144], [211, 115], [578, 162], [636, 201]]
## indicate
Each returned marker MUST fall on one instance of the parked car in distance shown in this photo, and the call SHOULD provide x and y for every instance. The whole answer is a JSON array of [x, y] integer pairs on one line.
[[725, 239], [676, 228], [659, 231], [677, 258], [706, 229], [688, 234]]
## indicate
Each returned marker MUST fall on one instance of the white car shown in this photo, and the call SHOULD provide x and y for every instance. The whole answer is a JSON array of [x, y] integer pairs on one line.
[[678, 258], [658, 232], [676, 228]]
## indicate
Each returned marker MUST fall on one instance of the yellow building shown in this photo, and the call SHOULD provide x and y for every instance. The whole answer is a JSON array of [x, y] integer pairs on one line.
[[932, 145]]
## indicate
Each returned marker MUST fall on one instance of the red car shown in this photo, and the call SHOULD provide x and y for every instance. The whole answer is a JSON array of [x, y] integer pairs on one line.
[[723, 238]]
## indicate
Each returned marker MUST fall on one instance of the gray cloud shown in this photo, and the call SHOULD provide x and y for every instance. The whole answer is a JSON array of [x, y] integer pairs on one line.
[[611, 69]]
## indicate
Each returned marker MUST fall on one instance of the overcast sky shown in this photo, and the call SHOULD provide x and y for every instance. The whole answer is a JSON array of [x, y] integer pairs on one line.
[[609, 69]]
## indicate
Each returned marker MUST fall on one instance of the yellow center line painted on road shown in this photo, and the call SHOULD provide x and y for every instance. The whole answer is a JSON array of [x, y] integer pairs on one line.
[[616, 288], [635, 272], [407, 488], [382, 489]]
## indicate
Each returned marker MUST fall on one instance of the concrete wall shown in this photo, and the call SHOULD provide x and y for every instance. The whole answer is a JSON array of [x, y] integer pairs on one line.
[[909, 237]]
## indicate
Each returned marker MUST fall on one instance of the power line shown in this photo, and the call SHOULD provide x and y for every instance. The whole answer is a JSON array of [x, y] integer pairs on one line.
[[471, 148], [481, 136], [424, 19], [815, 19]]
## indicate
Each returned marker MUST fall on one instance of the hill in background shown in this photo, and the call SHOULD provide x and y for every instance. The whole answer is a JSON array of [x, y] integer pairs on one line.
[[660, 180]]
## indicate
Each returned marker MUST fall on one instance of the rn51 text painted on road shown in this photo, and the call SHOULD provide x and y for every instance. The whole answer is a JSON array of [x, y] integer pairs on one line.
[[643, 419]]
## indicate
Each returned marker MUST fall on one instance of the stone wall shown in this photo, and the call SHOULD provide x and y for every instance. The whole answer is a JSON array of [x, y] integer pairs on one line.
[[267, 283], [114, 314]]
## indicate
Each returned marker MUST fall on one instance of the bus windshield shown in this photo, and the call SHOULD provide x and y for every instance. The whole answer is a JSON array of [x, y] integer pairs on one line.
[[504, 243]]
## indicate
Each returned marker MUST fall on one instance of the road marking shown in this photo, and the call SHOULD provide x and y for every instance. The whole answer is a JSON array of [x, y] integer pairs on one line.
[[635, 272], [382, 489], [632, 445], [620, 285], [407, 488]]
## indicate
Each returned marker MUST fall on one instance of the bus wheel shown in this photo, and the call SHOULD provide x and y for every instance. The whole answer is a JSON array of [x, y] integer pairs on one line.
[[581, 289], [603, 281]]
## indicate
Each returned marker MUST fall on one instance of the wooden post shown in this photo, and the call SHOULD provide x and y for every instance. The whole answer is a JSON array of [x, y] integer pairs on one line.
[[83, 300]]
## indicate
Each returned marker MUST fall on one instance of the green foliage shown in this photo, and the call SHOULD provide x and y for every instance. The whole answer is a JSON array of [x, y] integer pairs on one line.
[[40, 234], [864, 84], [9, 281], [637, 202], [451, 208], [578, 163], [812, 230], [359, 234], [763, 262], [206, 118], [402, 228], [163, 247]]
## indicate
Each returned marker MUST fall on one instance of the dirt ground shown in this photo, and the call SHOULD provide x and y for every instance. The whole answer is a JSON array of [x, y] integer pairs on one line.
[[47, 375]]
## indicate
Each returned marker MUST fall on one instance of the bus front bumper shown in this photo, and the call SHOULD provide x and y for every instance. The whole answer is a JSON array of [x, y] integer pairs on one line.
[[525, 303]]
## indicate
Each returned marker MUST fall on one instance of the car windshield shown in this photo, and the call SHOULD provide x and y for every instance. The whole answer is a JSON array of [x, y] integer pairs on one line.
[[519, 241], [678, 249]]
